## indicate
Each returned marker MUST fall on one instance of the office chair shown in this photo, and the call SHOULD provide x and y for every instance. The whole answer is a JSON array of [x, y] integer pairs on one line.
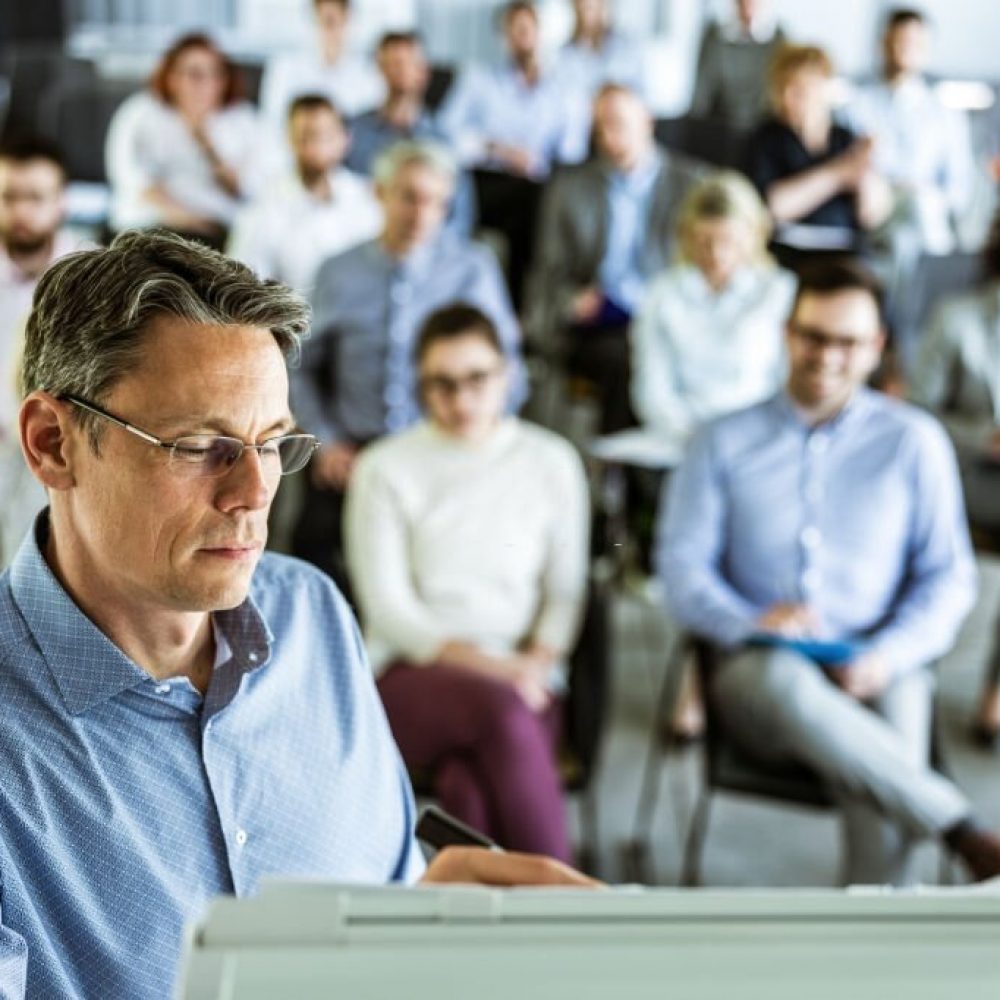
[[728, 768]]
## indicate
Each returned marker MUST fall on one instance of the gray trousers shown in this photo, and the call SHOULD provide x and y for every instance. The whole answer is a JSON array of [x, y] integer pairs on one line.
[[782, 707]]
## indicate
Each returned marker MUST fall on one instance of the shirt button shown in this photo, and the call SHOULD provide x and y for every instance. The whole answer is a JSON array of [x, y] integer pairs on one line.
[[252, 657], [810, 536], [241, 837], [163, 689], [818, 444]]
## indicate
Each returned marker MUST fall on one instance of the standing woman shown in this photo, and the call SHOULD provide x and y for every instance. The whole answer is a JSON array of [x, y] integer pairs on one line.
[[184, 153]]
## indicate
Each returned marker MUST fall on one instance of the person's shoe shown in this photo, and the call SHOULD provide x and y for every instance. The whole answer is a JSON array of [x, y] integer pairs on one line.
[[979, 849]]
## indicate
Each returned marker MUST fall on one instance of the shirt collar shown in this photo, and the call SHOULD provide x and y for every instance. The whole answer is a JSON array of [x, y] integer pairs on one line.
[[641, 178], [87, 666], [856, 406]]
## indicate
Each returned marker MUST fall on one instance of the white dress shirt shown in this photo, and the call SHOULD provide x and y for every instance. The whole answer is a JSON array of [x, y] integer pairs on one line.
[[698, 353], [288, 232], [150, 144], [482, 543], [352, 83], [922, 147]]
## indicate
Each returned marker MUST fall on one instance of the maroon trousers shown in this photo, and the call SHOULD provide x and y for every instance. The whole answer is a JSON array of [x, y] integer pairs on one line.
[[492, 759]]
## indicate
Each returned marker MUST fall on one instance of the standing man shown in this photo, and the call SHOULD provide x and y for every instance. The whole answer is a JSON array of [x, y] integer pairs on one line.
[[607, 226], [32, 210], [356, 381], [181, 715], [315, 210], [921, 147], [770, 537]]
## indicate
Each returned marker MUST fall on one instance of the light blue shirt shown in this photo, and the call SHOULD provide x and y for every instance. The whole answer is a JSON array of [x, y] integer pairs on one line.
[[356, 380], [499, 105], [621, 274], [127, 803], [860, 517]]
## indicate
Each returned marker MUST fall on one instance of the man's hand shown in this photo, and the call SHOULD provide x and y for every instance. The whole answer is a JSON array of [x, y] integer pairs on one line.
[[516, 160], [864, 678], [479, 866], [791, 620], [332, 465], [586, 305]]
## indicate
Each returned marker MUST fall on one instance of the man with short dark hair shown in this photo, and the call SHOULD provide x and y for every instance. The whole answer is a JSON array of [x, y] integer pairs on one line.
[[404, 116], [181, 714], [819, 539], [348, 78], [317, 209], [922, 147], [32, 212]]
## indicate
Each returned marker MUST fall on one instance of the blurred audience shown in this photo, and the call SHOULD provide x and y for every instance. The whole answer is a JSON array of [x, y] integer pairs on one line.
[[513, 123], [817, 177], [347, 78], [404, 115], [730, 81], [958, 376], [185, 153], [830, 615], [920, 145], [314, 210], [32, 236], [467, 546], [356, 381], [708, 337], [606, 228]]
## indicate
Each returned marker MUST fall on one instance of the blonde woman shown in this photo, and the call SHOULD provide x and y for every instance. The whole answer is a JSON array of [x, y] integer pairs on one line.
[[708, 336]]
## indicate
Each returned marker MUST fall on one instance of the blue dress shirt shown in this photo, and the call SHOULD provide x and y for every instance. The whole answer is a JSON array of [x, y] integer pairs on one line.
[[499, 105], [127, 803], [372, 134], [622, 274], [860, 517], [356, 379]]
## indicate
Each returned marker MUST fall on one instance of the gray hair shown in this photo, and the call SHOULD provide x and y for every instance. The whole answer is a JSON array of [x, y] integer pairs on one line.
[[92, 309], [401, 154]]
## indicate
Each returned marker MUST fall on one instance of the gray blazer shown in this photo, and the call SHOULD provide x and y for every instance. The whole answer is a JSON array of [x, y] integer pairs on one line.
[[573, 232], [958, 368]]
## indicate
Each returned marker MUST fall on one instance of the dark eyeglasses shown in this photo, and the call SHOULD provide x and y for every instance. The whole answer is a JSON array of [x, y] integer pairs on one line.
[[820, 340], [211, 455], [445, 385]]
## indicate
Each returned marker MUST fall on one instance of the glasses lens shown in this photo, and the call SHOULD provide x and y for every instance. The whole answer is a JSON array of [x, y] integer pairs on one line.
[[202, 455], [295, 450]]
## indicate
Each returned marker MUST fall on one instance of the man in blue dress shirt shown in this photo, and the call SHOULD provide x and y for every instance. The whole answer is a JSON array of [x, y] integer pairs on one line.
[[180, 714], [357, 381], [832, 513]]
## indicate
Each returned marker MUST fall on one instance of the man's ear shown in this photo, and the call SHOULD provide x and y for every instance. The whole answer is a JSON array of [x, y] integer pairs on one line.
[[46, 441]]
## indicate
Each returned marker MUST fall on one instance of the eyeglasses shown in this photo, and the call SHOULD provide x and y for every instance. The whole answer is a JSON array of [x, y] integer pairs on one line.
[[819, 340], [445, 385], [210, 455]]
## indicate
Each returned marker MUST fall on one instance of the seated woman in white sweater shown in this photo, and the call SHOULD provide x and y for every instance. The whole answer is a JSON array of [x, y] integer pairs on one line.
[[708, 338], [185, 152], [467, 549]]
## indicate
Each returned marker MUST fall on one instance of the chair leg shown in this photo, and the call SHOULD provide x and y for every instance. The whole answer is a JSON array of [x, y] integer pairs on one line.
[[588, 854], [691, 871]]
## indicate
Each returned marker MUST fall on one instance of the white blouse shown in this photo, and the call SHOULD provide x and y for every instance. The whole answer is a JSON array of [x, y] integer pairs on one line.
[[149, 143], [698, 353]]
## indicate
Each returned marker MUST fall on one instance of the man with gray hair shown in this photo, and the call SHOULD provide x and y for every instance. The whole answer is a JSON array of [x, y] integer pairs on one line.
[[356, 381], [181, 715]]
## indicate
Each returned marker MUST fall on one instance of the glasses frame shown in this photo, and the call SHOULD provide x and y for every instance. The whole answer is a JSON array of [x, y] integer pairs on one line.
[[171, 446]]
